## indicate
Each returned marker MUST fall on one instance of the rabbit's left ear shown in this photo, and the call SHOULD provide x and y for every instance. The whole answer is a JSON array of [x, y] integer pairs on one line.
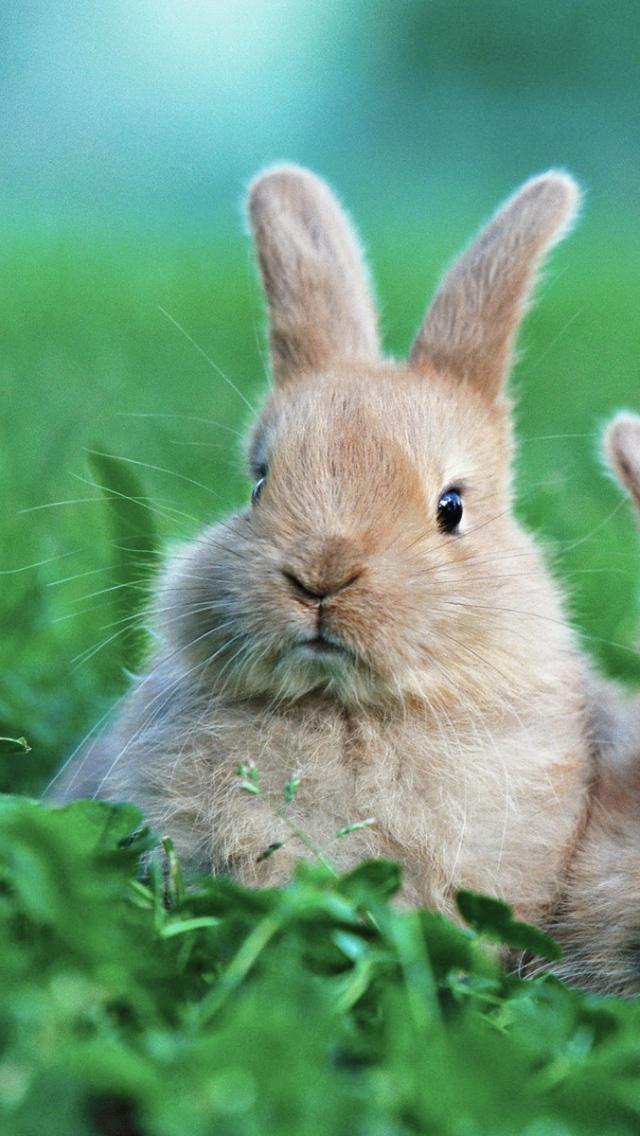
[[320, 308], [469, 329]]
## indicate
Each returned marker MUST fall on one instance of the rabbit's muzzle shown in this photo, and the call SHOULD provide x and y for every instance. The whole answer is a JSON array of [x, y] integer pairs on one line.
[[318, 570]]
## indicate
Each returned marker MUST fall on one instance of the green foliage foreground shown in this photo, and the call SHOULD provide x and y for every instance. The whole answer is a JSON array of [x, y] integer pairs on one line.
[[132, 1006]]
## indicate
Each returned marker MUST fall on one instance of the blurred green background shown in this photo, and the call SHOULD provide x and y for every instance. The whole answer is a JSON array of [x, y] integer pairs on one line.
[[127, 133]]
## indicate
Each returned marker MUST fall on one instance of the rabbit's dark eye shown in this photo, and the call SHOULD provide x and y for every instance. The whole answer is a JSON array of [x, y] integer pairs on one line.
[[449, 511], [257, 489], [259, 472]]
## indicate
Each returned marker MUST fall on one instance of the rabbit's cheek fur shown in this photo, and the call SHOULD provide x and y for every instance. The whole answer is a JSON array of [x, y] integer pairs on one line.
[[403, 627]]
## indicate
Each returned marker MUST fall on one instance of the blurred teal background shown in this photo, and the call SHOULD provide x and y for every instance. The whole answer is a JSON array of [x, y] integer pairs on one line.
[[159, 111], [127, 134]]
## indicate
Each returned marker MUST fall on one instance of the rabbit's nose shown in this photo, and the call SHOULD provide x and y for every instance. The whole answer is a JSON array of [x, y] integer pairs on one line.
[[319, 590], [318, 569]]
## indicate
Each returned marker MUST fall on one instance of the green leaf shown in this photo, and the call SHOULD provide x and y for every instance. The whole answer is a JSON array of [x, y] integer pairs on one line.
[[372, 881], [493, 918], [175, 881], [103, 827], [136, 548], [355, 827], [250, 787], [183, 926], [453, 948], [269, 851], [14, 745], [292, 786], [247, 771]]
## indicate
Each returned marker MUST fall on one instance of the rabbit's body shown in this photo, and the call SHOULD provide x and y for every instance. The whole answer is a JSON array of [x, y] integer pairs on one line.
[[597, 917], [457, 723], [376, 620], [491, 804]]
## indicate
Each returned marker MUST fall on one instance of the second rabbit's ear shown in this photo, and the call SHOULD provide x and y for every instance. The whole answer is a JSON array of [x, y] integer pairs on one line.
[[622, 449], [313, 273], [470, 327]]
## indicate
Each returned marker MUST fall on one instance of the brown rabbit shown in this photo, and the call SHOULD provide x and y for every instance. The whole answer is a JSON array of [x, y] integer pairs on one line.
[[598, 917], [376, 619]]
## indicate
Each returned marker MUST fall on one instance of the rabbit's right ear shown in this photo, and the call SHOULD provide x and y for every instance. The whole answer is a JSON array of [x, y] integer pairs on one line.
[[622, 450], [469, 329], [313, 273]]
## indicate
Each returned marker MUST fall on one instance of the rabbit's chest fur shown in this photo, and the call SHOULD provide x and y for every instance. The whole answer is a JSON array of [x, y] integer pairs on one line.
[[489, 803]]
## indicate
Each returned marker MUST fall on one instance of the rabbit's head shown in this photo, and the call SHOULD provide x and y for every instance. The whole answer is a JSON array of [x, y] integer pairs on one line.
[[380, 529]]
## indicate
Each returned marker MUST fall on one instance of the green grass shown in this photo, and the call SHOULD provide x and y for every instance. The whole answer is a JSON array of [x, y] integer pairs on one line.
[[134, 1008], [130, 1007], [90, 362]]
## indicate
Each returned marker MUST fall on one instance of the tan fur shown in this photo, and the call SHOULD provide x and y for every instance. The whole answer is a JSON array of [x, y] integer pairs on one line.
[[470, 326], [314, 275], [445, 697], [597, 920]]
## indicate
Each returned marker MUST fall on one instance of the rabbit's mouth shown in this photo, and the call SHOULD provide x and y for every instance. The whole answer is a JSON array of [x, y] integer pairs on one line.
[[319, 662], [320, 647]]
